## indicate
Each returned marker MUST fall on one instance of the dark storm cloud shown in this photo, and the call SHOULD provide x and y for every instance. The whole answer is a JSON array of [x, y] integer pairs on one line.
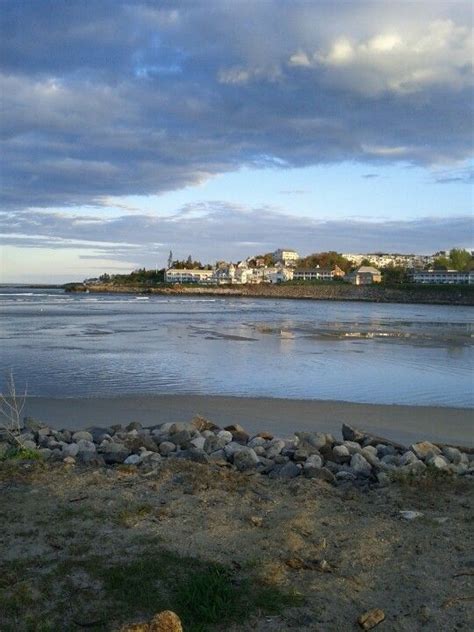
[[104, 98], [219, 230]]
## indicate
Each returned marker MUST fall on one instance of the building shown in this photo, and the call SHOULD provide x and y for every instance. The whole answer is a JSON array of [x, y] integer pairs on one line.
[[365, 275], [175, 275], [444, 277], [317, 274], [285, 256]]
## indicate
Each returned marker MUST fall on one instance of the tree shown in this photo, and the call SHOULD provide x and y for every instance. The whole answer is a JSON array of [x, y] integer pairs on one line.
[[394, 274], [441, 263], [460, 259], [325, 260], [170, 259]]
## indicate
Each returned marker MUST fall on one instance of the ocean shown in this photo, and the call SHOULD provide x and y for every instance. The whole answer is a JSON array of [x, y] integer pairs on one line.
[[91, 345]]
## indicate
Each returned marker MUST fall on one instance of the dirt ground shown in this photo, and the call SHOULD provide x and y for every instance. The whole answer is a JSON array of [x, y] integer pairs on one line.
[[345, 551]]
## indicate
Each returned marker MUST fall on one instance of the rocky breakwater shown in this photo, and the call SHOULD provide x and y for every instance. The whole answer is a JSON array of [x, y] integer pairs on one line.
[[359, 458]]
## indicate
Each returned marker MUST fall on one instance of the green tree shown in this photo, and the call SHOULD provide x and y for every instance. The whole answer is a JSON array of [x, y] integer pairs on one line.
[[460, 259], [441, 263], [325, 260]]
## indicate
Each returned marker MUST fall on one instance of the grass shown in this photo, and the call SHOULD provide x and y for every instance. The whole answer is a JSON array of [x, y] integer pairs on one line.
[[17, 453], [203, 594]]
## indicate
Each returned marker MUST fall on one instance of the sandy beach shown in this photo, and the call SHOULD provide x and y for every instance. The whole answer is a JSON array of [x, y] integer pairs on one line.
[[281, 416]]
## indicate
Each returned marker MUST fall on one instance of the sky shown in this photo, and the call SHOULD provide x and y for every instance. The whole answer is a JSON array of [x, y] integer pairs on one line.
[[224, 129]]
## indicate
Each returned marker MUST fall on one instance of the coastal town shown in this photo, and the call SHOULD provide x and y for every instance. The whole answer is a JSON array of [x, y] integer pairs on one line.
[[286, 265]]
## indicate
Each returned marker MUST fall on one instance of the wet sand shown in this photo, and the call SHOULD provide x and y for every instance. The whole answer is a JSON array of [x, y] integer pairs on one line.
[[405, 424]]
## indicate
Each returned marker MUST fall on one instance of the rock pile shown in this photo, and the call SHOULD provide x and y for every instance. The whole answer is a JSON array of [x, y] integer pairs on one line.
[[359, 458]]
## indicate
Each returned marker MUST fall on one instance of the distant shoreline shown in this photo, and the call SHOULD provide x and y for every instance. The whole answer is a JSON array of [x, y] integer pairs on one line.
[[430, 295], [402, 423]]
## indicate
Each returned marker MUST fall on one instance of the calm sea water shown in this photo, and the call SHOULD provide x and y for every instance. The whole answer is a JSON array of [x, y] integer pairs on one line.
[[99, 345]]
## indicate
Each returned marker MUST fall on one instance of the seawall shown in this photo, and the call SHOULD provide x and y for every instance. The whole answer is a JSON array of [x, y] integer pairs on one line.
[[439, 295]]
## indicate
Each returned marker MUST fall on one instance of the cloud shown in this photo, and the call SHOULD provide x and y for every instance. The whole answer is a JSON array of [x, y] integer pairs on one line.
[[370, 176], [219, 230], [112, 98]]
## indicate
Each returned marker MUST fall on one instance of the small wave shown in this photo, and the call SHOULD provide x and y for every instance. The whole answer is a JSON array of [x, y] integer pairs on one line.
[[19, 294]]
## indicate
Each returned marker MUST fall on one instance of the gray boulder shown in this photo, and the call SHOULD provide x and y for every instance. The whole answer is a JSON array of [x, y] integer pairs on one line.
[[452, 454], [285, 472], [360, 465], [439, 462], [313, 464], [166, 448], [349, 433], [341, 454], [311, 440], [274, 448], [85, 445], [245, 459], [82, 435]]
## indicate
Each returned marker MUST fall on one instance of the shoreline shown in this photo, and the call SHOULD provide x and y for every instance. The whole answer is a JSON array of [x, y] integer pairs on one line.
[[403, 423], [428, 295]]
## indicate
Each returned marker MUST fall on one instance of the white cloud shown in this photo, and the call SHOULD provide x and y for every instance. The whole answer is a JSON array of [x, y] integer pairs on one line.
[[440, 53]]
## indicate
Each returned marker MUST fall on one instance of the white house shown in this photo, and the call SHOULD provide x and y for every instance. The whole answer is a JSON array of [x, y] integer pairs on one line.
[[444, 277], [317, 274], [175, 275], [285, 256]]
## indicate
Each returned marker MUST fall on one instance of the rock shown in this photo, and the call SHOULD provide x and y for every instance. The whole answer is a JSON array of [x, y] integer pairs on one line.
[[232, 448], [99, 434], [384, 450], [416, 467], [45, 453], [274, 448], [225, 436], [198, 442], [265, 435], [341, 454], [408, 457], [370, 455], [313, 464], [299, 456], [257, 442], [370, 619], [260, 450], [44, 432], [166, 447], [234, 428], [133, 459], [166, 621], [286, 472], [360, 465], [342, 475], [134, 425], [181, 438], [70, 449], [90, 458], [245, 459], [69, 460], [390, 459], [213, 443], [411, 515], [85, 445], [353, 447], [28, 445], [309, 440], [82, 435], [439, 462], [452, 454], [201, 424], [113, 452], [349, 433], [424, 449]]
